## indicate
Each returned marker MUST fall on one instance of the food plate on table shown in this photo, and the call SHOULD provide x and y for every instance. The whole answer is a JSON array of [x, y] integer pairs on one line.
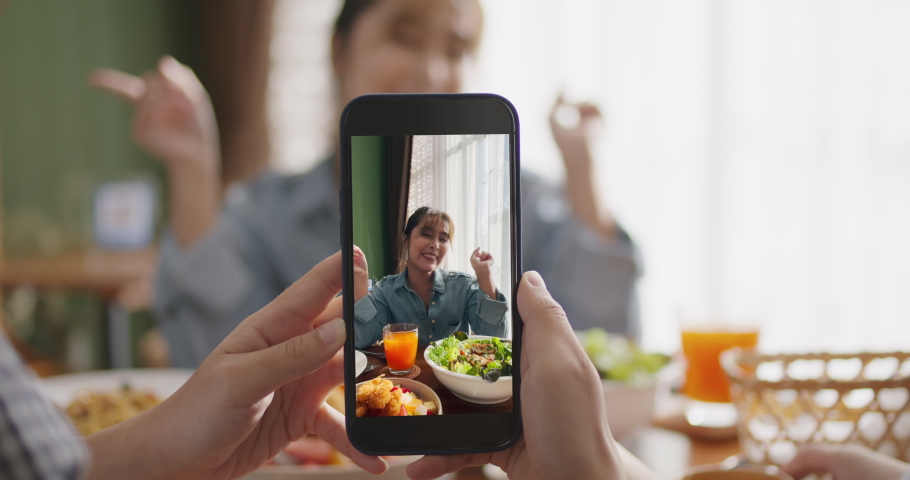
[[475, 368], [396, 397], [360, 363], [96, 400]]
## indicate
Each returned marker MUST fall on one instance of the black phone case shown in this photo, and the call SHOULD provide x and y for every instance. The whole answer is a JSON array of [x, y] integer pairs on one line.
[[389, 120]]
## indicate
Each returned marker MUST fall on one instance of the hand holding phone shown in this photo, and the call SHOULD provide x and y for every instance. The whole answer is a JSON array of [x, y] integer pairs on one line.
[[565, 433]]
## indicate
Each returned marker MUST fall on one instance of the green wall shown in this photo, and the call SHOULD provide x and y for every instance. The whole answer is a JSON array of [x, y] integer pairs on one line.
[[59, 138], [369, 181]]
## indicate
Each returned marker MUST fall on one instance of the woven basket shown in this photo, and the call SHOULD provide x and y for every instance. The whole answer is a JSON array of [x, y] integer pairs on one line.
[[786, 401]]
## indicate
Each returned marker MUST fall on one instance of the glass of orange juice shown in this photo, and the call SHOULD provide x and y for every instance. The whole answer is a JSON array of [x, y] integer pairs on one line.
[[400, 343], [706, 333]]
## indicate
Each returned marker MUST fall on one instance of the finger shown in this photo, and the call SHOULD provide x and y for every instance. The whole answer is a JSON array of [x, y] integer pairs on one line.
[[294, 311], [329, 426], [474, 253], [179, 76], [589, 110], [264, 371], [334, 310], [122, 85], [814, 458], [321, 383], [435, 466]]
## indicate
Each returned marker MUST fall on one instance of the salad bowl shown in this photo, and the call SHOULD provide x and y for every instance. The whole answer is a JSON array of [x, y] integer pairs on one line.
[[471, 388]]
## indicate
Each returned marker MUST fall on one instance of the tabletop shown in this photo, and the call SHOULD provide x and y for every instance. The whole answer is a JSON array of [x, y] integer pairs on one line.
[[98, 271], [450, 403]]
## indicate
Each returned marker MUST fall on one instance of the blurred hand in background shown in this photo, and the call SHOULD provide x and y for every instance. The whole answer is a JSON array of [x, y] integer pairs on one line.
[[574, 127], [175, 123]]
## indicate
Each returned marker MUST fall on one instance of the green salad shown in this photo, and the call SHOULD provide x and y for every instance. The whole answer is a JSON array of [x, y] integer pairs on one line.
[[488, 358], [617, 358]]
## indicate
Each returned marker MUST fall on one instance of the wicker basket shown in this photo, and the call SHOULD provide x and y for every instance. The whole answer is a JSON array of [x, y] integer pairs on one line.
[[786, 401]]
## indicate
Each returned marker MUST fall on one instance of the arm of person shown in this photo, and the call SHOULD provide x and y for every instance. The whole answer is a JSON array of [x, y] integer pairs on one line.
[[371, 313], [484, 314], [594, 277], [846, 462], [203, 291], [264, 386], [174, 122], [37, 442]]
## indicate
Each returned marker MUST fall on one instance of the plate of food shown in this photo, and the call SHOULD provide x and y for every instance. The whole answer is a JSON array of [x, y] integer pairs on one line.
[[397, 397], [97, 400], [476, 368]]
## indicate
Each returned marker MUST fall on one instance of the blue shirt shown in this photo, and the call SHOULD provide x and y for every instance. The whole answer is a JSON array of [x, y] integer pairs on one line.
[[457, 303], [275, 228]]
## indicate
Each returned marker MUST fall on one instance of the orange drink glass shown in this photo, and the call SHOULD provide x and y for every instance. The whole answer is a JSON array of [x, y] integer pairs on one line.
[[400, 343], [705, 379]]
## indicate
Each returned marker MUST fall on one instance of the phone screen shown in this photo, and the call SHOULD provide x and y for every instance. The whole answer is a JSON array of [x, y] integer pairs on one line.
[[433, 272]]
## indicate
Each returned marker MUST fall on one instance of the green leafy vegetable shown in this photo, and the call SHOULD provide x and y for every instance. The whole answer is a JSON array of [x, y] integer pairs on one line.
[[618, 358], [458, 355]]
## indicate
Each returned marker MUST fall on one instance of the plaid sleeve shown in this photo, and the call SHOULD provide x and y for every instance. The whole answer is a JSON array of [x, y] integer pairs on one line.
[[36, 440]]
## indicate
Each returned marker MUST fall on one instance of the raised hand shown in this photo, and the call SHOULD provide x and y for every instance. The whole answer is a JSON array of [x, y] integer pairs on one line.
[[175, 123], [174, 119], [574, 141], [481, 262]]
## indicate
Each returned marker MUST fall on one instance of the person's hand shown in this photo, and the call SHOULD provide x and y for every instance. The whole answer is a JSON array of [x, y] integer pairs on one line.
[[574, 141], [361, 274], [557, 442], [174, 119], [175, 122], [482, 263], [845, 462], [263, 387]]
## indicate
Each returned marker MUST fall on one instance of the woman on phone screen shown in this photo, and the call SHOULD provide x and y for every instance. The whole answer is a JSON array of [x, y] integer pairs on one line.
[[220, 265], [439, 301]]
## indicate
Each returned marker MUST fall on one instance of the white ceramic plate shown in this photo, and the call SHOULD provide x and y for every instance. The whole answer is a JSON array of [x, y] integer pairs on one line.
[[360, 363], [62, 389]]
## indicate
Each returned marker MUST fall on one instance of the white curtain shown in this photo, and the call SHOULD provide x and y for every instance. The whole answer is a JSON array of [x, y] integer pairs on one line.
[[467, 177], [757, 150]]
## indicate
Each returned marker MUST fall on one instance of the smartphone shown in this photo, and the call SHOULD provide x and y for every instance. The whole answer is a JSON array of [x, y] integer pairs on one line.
[[431, 228]]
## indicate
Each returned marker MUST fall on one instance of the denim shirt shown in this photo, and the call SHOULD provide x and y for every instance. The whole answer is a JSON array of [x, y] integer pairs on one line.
[[457, 303]]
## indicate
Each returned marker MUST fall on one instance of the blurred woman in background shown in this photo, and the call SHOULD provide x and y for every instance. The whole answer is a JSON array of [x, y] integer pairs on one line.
[[449, 300], [220, 265]]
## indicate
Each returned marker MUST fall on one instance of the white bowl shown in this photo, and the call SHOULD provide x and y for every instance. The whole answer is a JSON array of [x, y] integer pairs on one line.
[[629, 406], [470, 388]]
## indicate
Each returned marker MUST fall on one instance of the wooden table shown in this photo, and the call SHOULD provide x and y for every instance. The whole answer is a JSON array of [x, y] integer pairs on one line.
[[450, 403], [122, 279]]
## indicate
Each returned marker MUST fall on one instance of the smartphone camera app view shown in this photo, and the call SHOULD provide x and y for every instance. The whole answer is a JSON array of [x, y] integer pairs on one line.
[[431, 221]]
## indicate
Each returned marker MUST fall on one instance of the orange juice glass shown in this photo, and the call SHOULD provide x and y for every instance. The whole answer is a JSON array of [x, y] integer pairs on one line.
[[705, 379], [400, 343]]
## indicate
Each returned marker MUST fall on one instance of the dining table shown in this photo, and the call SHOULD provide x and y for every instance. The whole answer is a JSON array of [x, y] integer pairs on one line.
[[667, 452]]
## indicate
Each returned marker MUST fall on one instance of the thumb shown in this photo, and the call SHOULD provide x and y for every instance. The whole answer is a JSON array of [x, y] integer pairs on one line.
[[537, 307], [267, 370]]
